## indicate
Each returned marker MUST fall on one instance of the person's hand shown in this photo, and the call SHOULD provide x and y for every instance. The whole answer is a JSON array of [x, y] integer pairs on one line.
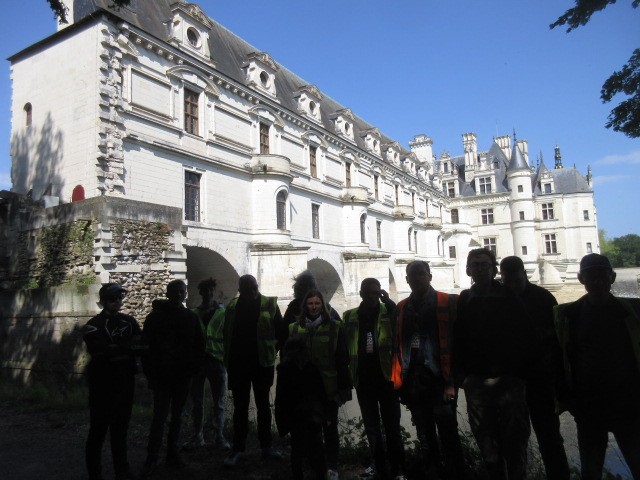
[[449, 394], [384, 295]]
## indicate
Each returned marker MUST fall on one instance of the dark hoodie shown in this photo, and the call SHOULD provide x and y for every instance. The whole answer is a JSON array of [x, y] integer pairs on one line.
[[176, 343]]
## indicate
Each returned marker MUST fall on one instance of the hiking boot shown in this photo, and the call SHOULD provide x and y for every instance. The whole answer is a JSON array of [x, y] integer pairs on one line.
[[233, 459], [271, 453]]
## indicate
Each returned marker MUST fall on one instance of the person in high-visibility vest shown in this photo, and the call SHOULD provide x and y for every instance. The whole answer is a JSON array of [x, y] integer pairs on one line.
[[541, 391], [250, 347], [325, 338], [211, 316], [369, 334], [600, 338], [496, 349], [422, 373]]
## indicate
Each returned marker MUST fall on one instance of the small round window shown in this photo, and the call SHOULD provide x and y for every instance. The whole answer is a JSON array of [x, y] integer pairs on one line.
[[312, 107], [193, 37], [264, 79]]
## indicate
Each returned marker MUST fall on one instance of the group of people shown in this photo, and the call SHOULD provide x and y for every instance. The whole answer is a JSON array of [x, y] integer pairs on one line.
[[520, 358]]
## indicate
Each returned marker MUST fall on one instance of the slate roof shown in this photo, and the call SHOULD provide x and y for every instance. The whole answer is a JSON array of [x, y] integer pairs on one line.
[[228, 53]]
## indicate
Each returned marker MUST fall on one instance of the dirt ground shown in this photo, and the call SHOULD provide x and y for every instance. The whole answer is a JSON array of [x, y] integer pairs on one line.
[[37, 444]]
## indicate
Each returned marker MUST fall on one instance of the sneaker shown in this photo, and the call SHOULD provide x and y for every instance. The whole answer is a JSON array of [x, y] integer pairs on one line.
[[233, 459], [332, 475], [174, 461], [271, 453], [369, 472], [149, 468]]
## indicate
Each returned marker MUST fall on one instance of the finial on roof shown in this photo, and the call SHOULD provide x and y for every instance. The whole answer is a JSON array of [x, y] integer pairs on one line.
[[589, 175], [558, 158], [514, 137]]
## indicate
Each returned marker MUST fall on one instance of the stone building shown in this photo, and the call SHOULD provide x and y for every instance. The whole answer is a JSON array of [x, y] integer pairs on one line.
[[162, 106]]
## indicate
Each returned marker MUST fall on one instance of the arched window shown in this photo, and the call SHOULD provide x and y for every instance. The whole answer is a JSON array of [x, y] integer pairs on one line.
[[409, 239], [281, 210], [363, 228], [28, 117]]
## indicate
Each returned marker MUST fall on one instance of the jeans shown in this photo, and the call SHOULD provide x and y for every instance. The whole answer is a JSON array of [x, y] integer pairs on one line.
[[593, 438], [261, 379], [167, 398], [379, 401], [546, 425], [499, 420], [109, 410], [214, 371]]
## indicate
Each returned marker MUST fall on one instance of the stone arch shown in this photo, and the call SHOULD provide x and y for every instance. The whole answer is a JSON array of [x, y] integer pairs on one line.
[[329, 283], [204, 263]]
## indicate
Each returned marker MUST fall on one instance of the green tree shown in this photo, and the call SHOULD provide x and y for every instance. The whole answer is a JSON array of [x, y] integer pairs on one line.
[[625, 117], [628, 247], [60, 10], [608, 248]]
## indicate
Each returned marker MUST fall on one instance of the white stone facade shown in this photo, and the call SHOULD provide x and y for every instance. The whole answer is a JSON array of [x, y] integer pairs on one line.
[[272, 176]]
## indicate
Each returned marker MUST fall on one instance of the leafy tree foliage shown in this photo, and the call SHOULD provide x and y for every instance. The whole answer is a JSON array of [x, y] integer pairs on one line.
[[607, 247], [625, 117], [60, 10], [628, 247]]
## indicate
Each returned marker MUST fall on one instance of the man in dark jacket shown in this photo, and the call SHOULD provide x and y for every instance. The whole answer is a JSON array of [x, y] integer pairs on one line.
[[112, 339], [495, 349], [600, 338], [541, 395], [176, 348]]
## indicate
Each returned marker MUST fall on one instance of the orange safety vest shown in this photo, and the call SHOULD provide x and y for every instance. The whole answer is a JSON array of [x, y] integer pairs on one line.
[[446, 308]]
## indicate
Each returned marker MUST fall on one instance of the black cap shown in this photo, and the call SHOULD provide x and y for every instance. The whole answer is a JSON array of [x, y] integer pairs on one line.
[[109, 290], [594, 260]]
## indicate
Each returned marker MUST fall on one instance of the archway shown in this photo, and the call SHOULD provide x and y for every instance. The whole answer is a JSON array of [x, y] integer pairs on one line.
[[204, 263], [329, 283]]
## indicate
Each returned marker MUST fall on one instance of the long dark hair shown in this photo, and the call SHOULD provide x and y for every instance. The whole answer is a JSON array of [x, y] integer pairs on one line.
[[311, 294]]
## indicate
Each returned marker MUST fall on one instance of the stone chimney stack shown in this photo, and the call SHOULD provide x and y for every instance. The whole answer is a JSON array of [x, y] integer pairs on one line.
[[504, 142], [422, 147], [470, 145]]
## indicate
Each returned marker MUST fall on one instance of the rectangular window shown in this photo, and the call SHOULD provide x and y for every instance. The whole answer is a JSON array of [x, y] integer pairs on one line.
[[313, 166], [585, 214], [487, 216], [409, 240], [547, 211], [455, 216], [521, 215], [415, 241], [379, 233], [347, 174], [191, 112], [397, 189], [445, 167], [315, 220], [550, 243], [450, 188], [192, 196], [547, 188], [589, 249], [452, 252], [490, 244], [484, 184], [376, 191], [413, 201], [524, 250], [264, 138], [520, 189]]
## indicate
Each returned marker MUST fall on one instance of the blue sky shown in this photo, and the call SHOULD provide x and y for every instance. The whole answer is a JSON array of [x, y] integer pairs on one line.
[[440, 68]]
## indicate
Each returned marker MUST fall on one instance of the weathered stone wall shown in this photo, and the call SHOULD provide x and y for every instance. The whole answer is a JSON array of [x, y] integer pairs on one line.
[[55, 261]]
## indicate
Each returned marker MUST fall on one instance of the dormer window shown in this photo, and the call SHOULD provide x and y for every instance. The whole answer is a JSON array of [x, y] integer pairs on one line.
[[309, 98], [260, 72], [392, 153], [189, 28], [372, 140], [343, 123]]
